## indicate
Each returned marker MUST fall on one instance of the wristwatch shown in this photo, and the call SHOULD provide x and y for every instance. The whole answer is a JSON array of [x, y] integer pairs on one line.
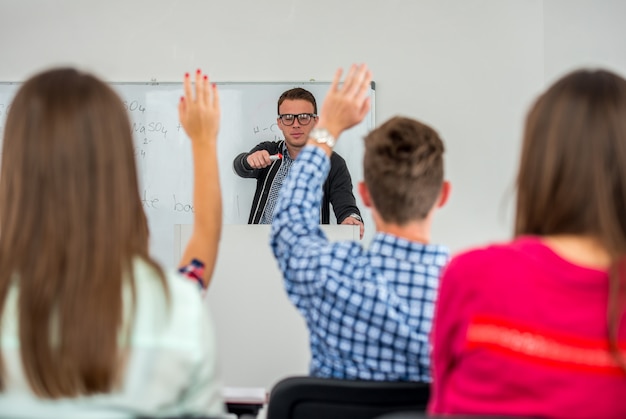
[[356, 217], [322, 136]]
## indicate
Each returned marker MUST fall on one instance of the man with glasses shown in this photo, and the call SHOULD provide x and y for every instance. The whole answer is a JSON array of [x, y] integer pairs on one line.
[[269, 162]]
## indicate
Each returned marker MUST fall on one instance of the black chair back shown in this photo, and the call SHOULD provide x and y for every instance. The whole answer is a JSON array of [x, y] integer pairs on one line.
[[315, 398]]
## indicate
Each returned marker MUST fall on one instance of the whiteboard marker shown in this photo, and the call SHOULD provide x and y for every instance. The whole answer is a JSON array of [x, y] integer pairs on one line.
[[275, 157]]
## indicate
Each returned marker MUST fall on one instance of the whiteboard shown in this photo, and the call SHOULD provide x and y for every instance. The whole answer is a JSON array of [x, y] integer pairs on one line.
[[163, 152]]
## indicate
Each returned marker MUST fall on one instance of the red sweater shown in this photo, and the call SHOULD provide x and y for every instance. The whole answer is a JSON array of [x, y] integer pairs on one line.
[[520, 331]]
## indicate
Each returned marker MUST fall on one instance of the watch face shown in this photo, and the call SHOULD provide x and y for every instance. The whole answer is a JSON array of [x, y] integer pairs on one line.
[[322, 136]]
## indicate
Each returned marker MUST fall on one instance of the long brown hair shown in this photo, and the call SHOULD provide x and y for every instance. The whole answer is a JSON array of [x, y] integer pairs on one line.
[[572, 177], [71, 223]]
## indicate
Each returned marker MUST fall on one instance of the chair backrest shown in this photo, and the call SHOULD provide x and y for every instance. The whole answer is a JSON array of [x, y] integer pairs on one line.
[[314, 398]]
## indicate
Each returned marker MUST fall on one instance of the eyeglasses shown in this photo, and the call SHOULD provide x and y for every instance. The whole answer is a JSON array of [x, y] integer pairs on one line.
[[303, 118]]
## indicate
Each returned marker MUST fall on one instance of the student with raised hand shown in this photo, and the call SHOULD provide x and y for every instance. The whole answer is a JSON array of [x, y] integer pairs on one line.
[[368, 311], [200, 117], [91, 326], [535, 326]]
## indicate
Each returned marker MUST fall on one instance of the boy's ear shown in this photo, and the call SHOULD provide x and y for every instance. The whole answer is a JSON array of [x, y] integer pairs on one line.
[[365, 194], [444, 194]]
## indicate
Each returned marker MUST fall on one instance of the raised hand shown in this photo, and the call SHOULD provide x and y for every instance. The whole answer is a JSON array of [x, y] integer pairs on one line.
[[199, 113], [346, 105]]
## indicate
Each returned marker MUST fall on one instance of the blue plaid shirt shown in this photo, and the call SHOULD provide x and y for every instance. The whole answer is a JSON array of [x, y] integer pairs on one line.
[[369, 312]]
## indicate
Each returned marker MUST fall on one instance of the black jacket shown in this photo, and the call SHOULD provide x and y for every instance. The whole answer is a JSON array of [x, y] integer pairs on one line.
[[337, 188]]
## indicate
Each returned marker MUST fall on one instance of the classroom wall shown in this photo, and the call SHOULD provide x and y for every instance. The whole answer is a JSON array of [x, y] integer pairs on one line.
[[583, 33], [470, 68]]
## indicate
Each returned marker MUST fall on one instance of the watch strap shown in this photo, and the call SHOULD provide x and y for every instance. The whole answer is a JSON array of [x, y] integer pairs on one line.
[[322, 136]]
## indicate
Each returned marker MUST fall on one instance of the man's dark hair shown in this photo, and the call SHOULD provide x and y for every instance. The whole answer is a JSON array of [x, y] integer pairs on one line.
[[297, 93]]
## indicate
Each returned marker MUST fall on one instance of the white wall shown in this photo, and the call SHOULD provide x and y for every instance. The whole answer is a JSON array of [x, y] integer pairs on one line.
[[468, 67], [584, 33]]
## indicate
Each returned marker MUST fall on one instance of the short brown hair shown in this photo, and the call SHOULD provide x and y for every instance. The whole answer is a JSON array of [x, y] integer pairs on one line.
[[297, 93], [72, 223], [403, 169]]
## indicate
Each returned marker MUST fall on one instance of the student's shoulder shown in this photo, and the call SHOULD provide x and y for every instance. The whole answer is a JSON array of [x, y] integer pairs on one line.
[[484, 259], [178, 286], [343, 253], [177, 321]]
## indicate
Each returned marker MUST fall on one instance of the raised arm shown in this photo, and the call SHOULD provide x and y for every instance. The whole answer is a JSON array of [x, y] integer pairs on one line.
[[199, 113], [345, 105]]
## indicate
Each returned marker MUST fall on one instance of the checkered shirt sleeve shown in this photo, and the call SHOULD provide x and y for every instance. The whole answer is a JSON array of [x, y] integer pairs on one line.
[[369, 313]]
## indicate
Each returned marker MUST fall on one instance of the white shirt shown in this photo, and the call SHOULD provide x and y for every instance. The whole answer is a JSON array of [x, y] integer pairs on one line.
[[172, 368]]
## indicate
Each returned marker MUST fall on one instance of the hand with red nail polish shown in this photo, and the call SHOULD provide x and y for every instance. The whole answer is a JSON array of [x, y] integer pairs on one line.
[[199, 113], [199, 109]]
